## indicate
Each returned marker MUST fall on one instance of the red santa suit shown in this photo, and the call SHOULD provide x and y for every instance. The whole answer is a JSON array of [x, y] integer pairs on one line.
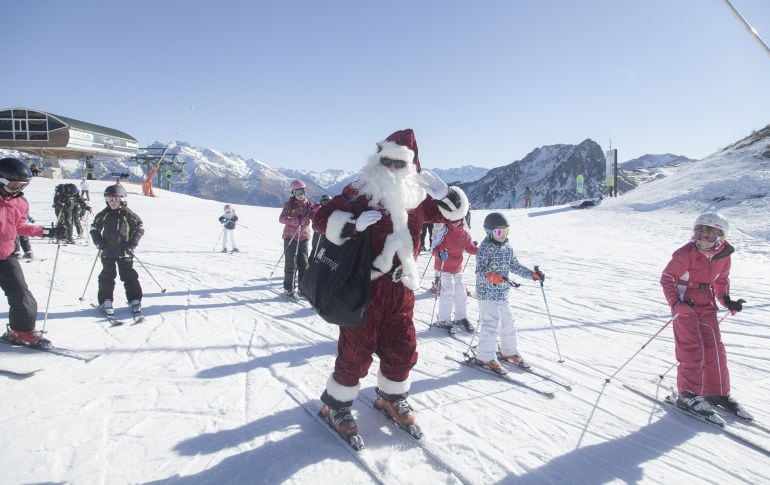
[[395, 239]]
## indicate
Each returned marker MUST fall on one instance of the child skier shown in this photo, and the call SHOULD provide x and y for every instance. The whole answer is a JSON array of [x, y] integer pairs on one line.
[[494, 260], [450, 241], [228, 220], [116, 232], [296, 216], [696, 278], [22, 306]]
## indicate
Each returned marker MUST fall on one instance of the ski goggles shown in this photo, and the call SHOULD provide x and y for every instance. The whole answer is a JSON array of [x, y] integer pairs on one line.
[[498, 232], [391, 162], [13, 186], [114, 198], [298, 192], [706, 233]]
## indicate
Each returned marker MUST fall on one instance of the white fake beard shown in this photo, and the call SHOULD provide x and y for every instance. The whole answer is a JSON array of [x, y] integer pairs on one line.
[[397, 191]]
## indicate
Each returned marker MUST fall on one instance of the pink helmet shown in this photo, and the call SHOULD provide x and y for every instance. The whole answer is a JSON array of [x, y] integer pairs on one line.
[[296, 185]]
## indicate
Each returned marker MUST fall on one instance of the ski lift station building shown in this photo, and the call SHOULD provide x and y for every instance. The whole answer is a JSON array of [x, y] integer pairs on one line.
[[53, 136]]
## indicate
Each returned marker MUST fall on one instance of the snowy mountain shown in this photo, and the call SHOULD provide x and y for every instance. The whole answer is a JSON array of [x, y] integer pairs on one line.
[[653, 167], [324, 179], [199, 392], [550, 172], [466, 173]]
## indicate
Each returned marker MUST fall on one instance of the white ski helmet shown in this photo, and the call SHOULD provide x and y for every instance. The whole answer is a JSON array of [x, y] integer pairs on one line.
[[715, 220]]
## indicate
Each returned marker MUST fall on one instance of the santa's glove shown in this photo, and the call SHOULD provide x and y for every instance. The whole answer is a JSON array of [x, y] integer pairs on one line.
[[733, 306], [494, 278], [682, 308], [538, 275], [443, 255], [366, 219], [434, 186]]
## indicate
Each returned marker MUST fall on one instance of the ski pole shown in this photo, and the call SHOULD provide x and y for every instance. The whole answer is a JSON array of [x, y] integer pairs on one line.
[[83, 296], [435, 299], [640, 348], [296, 253], [548, 310], [426, 267], [162, 290], [662, 376], [241, 225], [50, 288], [281, 257], [218, 238]]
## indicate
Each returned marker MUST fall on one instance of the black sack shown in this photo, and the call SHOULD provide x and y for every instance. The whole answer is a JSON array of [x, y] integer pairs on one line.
[[337, 282]]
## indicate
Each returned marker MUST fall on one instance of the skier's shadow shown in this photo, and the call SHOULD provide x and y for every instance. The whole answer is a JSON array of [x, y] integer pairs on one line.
[[294, 356], [619, 459], [295, 436]]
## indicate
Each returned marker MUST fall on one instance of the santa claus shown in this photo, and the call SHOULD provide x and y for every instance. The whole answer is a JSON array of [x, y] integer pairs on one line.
[[392, 198]]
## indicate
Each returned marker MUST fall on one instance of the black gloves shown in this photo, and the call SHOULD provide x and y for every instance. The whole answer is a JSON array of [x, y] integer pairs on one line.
[[733, 306], [55, 232]]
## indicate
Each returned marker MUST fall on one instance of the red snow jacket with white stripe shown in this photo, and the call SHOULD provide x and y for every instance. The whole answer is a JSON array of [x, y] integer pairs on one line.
[[455, 240]]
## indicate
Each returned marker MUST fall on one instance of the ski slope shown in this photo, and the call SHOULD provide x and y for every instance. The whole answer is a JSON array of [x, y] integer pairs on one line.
[[198, 392]]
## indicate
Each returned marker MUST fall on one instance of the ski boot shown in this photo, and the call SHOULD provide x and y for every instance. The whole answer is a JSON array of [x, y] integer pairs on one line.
[[235, 250], [30, 339], [224, 250], [516, 359], [728, 403], [492, 365], [341, 420], [28, 256], [107, 308], [464, 324], [446, 325], [395, 407], [698, 405]]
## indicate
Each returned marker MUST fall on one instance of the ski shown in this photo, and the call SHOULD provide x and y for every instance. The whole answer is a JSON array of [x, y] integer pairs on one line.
[[353, 446], [18, 374], [667, 403], [114, 322], [85, 357], [470, 362], [534, 371]]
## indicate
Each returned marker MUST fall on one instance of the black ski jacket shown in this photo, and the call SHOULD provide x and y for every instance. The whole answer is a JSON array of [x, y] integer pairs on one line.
[[116, 232]]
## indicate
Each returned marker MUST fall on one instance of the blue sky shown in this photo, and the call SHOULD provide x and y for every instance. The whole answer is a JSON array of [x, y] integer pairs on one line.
[[314, 84]]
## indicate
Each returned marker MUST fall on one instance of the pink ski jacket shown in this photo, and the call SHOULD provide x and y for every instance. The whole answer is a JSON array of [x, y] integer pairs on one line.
[[13, 221], [697, 277]]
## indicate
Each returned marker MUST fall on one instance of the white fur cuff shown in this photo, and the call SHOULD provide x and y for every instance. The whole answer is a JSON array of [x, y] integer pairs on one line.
[[392, 387], [340, 392], [336, 224]]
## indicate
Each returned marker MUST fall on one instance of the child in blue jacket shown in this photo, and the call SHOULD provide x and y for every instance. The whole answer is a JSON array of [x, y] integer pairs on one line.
[[494, 261]]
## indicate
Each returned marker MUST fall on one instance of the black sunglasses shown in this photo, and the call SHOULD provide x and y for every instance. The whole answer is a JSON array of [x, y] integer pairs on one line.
[[389, 161]]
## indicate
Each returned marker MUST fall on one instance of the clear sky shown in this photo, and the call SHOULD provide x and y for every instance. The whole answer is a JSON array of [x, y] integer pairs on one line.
[[314, 84]]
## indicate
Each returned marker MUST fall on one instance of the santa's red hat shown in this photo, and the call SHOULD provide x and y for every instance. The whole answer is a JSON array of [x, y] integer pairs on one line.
[[401, 145]]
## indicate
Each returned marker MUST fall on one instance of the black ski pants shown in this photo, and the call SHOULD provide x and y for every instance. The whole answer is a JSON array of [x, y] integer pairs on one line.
[[22, 306], [128, 276], [295, 261]]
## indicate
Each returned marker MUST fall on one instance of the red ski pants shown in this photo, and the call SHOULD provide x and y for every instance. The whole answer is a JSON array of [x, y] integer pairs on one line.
[[388, 332], [701, 354]]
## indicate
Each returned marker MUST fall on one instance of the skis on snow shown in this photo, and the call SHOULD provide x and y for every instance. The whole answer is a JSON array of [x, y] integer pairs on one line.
[[111, 319], [84, 356], [560, 381], [732, 429], [501, 373]]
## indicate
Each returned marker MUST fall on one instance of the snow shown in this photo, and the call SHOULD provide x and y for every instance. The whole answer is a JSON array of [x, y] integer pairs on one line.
[[197, 393]]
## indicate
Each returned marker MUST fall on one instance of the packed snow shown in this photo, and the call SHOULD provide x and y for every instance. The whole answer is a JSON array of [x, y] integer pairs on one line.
[[198, 392]]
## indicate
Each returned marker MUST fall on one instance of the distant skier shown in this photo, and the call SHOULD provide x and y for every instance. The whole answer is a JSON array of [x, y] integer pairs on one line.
[[116, 232], [696, 278], [84, 193], [513, 198], [494, 261], [450, 243], [296, 216], [228, 220], [14, 209], [527, 198]]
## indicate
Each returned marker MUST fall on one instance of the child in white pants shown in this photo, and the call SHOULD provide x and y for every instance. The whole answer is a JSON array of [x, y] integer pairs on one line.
[[450, 242], [228, 220]]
